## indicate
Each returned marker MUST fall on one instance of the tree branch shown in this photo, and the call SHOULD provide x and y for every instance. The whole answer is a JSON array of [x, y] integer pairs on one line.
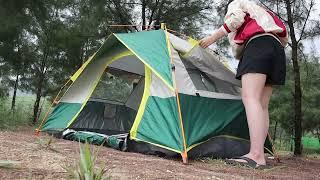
[[153, 11], [191, 13], [313, 31], [140, 4], [273, 11], [305, 22]]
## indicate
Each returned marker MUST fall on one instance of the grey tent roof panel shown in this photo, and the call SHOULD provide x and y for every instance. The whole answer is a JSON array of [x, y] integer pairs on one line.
[[129, 64]]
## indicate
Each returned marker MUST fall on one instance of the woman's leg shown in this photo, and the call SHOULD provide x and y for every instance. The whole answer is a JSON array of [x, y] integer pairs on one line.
[[266, 95], [253, 87]]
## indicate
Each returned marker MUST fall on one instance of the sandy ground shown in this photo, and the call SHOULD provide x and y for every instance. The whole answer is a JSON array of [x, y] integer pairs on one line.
[[38, 161]]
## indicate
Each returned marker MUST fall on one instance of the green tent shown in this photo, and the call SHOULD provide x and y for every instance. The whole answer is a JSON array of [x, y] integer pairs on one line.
[[160, 90]]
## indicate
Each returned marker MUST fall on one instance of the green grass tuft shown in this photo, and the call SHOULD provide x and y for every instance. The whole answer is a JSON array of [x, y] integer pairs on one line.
[[21, 116], [86, 168]]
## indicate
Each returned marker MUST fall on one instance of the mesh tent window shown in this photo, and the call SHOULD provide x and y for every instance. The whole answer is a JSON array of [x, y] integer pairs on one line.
[[113, 105]]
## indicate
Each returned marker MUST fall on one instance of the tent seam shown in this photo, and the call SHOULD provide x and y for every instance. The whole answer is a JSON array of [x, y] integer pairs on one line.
[[159, 145], [145, 97]]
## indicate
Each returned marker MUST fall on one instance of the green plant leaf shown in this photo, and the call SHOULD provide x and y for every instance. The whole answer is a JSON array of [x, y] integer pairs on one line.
[[8, 163]]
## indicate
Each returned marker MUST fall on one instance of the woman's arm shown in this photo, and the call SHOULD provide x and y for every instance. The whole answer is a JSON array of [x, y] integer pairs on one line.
[[233, 21]]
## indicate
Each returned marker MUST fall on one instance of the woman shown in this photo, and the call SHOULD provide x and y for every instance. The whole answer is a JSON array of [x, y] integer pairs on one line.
[[258, 39]]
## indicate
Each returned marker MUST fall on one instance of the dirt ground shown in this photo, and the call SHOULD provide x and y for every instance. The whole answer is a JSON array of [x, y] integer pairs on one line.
[[37, 161]]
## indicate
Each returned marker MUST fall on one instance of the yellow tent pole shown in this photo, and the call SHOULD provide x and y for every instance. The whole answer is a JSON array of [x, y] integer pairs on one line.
[[55, 101], [184, 154]]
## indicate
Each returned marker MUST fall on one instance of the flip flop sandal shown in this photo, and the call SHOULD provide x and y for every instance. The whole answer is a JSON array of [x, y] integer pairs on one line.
[[249, 163]]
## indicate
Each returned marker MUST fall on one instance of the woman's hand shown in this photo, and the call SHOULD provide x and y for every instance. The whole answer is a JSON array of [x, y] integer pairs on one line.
[[205, 42], [218, 34]]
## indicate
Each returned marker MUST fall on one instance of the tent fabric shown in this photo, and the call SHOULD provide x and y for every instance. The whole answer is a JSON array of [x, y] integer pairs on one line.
[[149, 69], [179, 44], [104, 117], [61, 115], [210, 87], [115, 86], [160, 125], [199, 113], [160, 116], [209, 64], [151, 48], [185, 47], [129, 64], [159, 89], [80, 70], [184, 83], [134, 99], [220, 147], [141, 110], [82, 87], [105, 46], [208, 94], [117, 54]]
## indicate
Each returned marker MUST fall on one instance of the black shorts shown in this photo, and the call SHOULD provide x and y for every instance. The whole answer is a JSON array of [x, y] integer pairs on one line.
[[264, 55]]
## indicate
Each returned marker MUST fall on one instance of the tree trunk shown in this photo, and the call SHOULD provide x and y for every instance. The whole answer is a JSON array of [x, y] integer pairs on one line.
[[41, 76], [280, 137], [37, 102], [143, 14], [318, 134], [13, 102], [151, 18], [297, 84], [297, 103], [275, 131], [291, 145]]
